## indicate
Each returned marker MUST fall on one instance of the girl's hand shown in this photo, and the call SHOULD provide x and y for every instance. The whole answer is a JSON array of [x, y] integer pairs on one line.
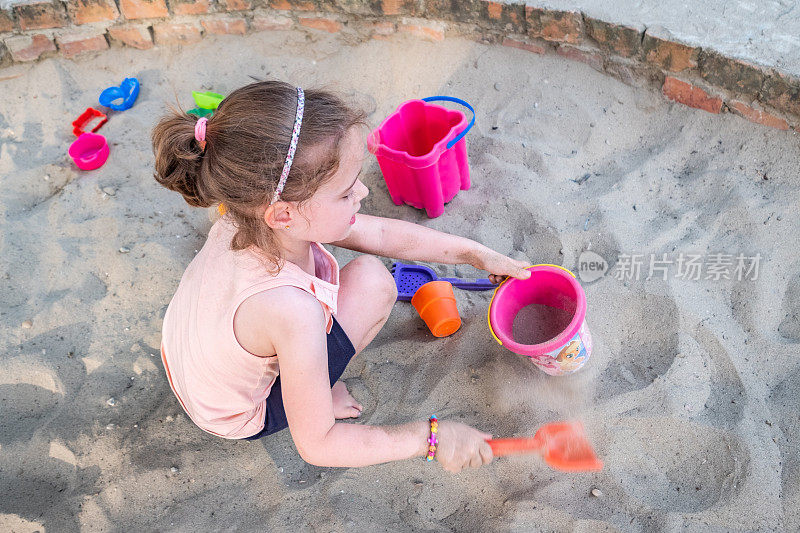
[[461, 446], [500, 266]]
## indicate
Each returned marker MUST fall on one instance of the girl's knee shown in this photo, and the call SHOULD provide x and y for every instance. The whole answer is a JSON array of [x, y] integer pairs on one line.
[[376, 278]]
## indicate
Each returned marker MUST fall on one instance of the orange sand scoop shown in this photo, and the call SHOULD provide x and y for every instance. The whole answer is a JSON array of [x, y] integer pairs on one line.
[[563, 445]]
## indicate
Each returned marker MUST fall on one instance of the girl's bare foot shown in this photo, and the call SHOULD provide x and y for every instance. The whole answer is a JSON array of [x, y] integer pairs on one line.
[[344, 405]]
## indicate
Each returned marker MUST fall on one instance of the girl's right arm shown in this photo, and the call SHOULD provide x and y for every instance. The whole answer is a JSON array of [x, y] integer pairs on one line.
[[295, 324]]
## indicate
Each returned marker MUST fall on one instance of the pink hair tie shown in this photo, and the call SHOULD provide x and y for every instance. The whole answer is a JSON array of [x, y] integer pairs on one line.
[[200, 132]]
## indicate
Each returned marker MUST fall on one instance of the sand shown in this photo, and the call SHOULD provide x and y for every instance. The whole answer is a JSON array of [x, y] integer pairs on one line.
[[537, 323], [690, 395]]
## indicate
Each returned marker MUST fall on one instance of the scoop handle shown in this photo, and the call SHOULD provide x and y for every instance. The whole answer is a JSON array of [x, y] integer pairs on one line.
[[481, 284], [501, 447]]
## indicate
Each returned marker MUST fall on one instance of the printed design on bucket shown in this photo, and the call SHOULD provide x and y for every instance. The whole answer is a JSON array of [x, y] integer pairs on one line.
[[586, 338], [569, 357]]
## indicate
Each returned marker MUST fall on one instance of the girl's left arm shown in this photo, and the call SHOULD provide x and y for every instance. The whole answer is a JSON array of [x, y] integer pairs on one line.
[[407, 241]]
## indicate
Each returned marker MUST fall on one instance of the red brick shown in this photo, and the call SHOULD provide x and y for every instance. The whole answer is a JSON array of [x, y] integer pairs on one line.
[[225, 25], [236, 5], [735, 75], [782, 92], [295, 5], [669, 55], [507, 17], [72, 44], [196, 7], [494, 10], [6, 21], [29, 47], [513, 43], [688, 94], [430, 30], [348, 7], [591, 58], [87, 11], [40, 15], [170, 33], [270, 23], [621, 40], [559, 26], [133, 36], [760, 117], [321, 23], [143, 9], [392, 7]]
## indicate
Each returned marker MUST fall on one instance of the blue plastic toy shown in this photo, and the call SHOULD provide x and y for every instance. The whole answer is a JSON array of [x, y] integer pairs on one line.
[[127, 91], [409, 278]]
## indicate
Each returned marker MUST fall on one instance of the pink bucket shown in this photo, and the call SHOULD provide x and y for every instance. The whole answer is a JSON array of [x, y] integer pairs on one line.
[[554, 287], [89, 151], [423, 154]]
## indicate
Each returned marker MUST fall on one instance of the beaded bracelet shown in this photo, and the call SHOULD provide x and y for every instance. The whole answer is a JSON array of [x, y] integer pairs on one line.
[[432, 441]]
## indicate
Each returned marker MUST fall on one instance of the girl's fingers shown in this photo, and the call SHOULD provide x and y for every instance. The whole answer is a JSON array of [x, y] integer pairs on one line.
[[522, 274], [486, 453], [508, 267]]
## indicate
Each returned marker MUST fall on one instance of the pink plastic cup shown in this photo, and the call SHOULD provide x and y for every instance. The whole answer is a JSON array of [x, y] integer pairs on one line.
[[422, 153], [552, 286], [89, 151]]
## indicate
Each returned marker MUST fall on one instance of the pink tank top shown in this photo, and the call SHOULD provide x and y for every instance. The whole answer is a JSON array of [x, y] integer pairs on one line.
[[221, 386]]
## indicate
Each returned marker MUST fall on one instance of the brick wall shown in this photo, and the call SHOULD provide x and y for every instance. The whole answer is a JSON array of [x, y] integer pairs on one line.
[[34, 29]]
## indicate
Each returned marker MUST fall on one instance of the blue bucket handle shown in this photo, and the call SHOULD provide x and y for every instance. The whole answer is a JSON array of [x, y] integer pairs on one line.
[[458, 101]]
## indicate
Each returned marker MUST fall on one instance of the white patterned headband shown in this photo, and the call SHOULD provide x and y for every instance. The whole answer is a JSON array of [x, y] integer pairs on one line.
[[298, 121]]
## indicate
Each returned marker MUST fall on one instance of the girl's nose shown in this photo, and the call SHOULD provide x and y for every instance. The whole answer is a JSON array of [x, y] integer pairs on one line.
[[364, 190]]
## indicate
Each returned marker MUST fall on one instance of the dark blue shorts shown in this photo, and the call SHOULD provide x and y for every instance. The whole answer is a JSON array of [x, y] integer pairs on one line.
[[340, 351]]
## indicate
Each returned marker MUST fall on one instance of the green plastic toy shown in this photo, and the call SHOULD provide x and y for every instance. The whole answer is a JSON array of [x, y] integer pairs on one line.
[[207, 100], [201, 112]]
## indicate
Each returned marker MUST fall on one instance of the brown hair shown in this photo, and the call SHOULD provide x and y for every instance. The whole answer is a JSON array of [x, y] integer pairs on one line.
[[247, 139]]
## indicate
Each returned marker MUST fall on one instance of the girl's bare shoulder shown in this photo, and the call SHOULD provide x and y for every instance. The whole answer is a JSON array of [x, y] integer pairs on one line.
[[265, 318]]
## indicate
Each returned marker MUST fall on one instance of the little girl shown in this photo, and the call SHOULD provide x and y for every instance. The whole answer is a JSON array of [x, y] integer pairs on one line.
[[263, 322]]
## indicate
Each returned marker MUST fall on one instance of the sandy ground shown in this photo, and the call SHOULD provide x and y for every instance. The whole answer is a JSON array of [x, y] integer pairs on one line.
[[690, 396]]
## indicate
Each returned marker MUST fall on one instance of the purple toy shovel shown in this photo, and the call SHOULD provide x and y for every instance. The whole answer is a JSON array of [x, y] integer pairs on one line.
[[409, 278]]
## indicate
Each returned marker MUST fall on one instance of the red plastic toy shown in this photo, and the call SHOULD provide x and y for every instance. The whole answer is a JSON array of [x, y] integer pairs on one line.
[[563, 446], [85, 118]]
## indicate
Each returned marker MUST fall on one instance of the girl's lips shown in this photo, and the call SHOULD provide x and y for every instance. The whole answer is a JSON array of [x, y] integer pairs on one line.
[[353, 220]]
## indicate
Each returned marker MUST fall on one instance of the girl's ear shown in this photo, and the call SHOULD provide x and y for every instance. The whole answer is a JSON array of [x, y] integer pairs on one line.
[[278, 215]]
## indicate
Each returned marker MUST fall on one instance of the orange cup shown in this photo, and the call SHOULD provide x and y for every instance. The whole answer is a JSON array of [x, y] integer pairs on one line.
[[436, 304]]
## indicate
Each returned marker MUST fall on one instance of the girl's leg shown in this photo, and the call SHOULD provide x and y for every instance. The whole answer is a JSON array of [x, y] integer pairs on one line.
[[367, 293]]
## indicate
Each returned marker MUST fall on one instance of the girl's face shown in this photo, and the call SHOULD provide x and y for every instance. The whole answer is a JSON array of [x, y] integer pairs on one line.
[[330, 213]]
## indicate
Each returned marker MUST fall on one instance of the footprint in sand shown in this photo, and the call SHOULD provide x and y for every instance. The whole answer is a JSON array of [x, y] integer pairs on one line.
[[640, 330], [29, 396], [785, 406], [25, 408], [544, 126], [527, 233], [682, 466]]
